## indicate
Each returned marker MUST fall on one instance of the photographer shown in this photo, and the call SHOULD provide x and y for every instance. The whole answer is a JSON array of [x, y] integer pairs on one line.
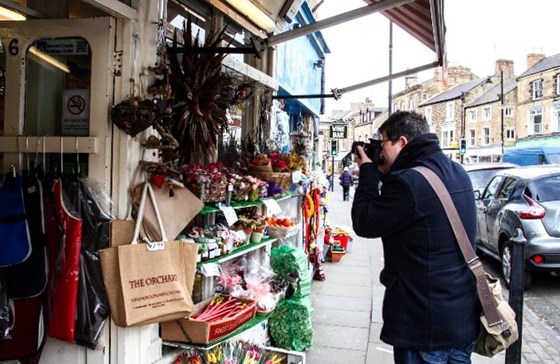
[[430, 308]]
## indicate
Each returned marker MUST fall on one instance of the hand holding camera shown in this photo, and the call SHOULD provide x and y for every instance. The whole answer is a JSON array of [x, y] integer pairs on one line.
[[372, 150]]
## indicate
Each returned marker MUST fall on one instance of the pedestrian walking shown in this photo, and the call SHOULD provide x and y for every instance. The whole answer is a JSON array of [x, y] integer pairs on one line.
[[430, 308], [346, 181]]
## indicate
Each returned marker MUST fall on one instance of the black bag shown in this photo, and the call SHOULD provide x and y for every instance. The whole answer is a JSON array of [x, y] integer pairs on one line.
[[93, 305]]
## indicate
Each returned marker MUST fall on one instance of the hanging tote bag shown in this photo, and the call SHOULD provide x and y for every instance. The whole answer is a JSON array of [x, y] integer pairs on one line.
[[177, 206], [148, 283], [16, 242]]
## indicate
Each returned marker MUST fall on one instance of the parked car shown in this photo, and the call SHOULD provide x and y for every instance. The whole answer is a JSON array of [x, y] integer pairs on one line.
[[532, 155], [526, 198], [481, 173]]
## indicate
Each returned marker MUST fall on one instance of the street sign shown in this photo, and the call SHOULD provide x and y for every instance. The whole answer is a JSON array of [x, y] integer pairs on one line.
[[339, 132]]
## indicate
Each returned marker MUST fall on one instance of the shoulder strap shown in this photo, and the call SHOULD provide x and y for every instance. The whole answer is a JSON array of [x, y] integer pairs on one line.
[[484, 293]]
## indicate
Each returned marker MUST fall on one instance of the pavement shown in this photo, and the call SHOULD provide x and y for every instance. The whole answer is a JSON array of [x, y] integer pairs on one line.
[[347, 308]]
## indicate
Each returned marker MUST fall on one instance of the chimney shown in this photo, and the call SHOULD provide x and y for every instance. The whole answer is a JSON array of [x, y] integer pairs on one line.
[[411, 80], [533, 59], [506, 66]]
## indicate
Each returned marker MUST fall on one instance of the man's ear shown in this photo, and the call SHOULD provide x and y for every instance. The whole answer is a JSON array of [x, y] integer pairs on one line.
[[403, 140]]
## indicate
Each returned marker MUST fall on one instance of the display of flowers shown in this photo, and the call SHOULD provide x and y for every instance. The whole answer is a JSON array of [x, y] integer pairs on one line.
[[247, 188], [259, 159]]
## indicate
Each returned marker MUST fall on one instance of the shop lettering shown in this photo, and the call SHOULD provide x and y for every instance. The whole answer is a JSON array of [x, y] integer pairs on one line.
[[152, 281], [338, 131]]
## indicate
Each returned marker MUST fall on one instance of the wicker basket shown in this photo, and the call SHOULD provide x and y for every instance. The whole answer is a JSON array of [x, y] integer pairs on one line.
[[282, 179], [282, 231]]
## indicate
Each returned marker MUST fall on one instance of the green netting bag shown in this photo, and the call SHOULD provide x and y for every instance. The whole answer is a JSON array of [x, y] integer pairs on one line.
[[290, 324]]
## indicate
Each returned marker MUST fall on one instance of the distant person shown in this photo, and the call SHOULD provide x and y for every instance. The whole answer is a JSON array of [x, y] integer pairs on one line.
[[346, 181], [431, 308]]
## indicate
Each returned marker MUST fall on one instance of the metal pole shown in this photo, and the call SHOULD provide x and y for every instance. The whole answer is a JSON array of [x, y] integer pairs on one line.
[[502, 111], [332, 174], [390, 108], [518, 243]]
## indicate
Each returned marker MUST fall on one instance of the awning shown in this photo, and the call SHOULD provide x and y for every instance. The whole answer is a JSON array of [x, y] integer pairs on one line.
[[423, 19]]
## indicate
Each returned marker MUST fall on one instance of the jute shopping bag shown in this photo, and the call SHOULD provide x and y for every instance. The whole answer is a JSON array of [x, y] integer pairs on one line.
[[177, 205], [152, 282]]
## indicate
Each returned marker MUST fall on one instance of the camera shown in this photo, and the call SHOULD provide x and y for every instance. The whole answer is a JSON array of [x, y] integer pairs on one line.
[[372, 149]]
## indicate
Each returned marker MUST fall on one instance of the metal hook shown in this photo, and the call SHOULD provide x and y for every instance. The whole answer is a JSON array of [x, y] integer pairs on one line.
[[61, 155], [77, 157]]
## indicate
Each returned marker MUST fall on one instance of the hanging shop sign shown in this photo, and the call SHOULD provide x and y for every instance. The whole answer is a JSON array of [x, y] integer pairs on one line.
[[339, 132], [75, 112], [63, 46]]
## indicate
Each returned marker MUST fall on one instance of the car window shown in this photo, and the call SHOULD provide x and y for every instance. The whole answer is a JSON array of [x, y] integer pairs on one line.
[[493, 187], [554, 158], [481, 177], [507, 188], [545, 189]]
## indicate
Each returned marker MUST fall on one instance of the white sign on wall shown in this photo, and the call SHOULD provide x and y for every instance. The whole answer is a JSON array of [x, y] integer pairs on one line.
[[75, 112]]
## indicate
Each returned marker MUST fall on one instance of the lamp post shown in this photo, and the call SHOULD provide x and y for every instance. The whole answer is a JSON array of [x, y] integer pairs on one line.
[[502, 112]]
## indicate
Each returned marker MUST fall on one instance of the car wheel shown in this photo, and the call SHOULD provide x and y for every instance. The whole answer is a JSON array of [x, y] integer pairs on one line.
[[506, 268], [506, 263]]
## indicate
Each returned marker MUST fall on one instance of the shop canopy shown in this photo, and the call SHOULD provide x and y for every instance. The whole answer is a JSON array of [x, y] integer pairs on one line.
[[423, 19]]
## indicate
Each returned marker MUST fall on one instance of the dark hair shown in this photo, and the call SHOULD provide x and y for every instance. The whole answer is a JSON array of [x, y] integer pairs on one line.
[[405, 123]]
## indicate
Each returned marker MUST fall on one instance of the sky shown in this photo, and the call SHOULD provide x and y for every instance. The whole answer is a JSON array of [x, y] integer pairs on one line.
[[478, 33]]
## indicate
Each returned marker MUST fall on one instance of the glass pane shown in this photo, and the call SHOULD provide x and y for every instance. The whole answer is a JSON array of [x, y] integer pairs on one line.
[[57, 95], [57, 87]]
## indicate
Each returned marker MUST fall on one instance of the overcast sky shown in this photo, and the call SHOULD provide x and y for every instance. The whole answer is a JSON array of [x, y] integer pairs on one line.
[[478, 33]]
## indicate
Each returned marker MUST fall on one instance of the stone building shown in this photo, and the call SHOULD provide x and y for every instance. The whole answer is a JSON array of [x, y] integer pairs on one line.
[[538, 93], [490, 122]]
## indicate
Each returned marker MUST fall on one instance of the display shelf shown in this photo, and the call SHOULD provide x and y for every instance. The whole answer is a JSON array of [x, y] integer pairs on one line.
[[211, 208], [244, 249], [250, 324]]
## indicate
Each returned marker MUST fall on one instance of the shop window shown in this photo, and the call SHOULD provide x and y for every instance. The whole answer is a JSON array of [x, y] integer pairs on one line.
[[63, 67]]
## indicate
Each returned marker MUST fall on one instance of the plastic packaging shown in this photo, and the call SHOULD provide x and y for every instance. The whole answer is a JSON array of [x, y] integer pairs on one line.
[[97, 210]]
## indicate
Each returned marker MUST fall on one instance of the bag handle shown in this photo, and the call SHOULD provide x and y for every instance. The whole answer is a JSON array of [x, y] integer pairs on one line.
[[147, 189], [484, 293]]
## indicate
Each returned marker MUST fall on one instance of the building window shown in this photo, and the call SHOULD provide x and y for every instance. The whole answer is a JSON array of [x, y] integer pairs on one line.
[[537, 89], [428, 114], [450, 111], [555, 124], [508, 111], [535, 121], [411, 104], [558, 84], [425, 96], [510, 134], [487, 113], [472, 137], [473, 115], [486, 136], [447, 136], [395, 106], [402, 106]]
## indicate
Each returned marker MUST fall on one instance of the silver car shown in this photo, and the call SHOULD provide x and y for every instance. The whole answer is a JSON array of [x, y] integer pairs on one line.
[[528, 198], [481, 173]]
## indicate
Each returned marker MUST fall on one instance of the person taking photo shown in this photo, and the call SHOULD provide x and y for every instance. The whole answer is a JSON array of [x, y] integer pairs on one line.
[[430, 308]]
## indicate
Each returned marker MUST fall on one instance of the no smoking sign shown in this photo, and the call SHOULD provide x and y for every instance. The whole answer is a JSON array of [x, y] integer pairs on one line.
[[75, 114]]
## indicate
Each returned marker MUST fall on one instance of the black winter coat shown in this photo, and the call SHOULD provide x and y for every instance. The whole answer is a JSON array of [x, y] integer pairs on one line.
[[430, 300]]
